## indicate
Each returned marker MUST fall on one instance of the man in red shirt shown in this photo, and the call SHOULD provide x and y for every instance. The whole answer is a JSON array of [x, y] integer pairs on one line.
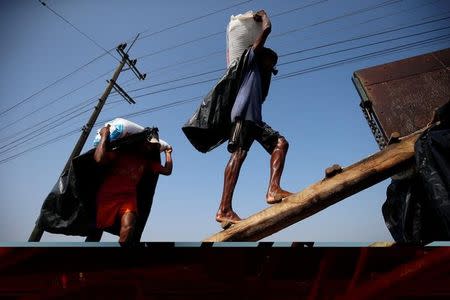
[[116, 197]]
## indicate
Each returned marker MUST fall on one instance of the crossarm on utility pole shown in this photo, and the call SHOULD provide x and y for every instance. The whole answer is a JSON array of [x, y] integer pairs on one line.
[[320, 195]]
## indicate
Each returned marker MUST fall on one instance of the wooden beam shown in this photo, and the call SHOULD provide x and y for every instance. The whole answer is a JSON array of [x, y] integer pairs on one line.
[[320, 195]]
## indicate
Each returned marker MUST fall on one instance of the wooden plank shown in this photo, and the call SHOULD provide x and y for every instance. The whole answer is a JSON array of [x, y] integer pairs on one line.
[[320, 195]]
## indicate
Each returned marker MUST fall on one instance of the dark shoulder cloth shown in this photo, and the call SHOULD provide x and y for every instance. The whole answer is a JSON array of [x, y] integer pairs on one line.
[[210, 124]]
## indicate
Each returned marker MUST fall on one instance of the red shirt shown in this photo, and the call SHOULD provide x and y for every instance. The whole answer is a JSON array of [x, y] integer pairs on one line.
[[117, 193]]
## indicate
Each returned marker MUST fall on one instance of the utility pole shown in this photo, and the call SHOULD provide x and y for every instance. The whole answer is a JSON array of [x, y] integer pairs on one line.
[[37, 232]]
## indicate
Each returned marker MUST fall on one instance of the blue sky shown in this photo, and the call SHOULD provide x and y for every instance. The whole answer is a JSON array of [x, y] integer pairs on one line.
[[318, 112]]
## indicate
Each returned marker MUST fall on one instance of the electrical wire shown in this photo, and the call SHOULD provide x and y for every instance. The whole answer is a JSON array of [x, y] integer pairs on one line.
[[340, 62], [191, 20], [364, 56], [363, 46], [289, 75], [206, 37], [50, 103], [196, 75], [363, 36], [352, 13], [223, 31], [29, 98], [77, 29]]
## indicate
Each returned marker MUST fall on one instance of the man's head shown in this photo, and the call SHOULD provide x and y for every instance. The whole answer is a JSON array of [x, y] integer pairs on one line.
[[269, 59]]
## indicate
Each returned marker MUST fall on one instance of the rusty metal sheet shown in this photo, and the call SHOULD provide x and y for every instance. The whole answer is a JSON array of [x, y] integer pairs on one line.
[[403, 68], [407, 105], [402, 95]]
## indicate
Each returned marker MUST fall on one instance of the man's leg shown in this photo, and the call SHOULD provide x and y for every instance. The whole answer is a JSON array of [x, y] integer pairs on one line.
[[127, 228], [275, 193], [225, 214]]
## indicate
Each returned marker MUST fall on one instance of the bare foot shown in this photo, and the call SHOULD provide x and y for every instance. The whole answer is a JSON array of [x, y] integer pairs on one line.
[[273, 197], [227, 219]]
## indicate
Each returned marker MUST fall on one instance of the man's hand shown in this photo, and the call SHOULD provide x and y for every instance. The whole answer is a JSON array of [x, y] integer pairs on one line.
[[101, 155], [261, 16], [167, 169], [258, 16], [104, 132]]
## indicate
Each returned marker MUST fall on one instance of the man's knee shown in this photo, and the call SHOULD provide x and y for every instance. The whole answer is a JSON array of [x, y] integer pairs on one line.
[[128, 221], [239, 155], [282, 144]]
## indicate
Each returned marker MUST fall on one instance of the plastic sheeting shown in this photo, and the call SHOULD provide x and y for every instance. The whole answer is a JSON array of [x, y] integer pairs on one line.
[[417, 209], [70, 207], [210, 125]]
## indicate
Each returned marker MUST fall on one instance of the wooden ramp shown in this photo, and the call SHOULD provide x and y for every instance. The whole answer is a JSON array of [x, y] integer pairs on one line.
[[318, 196]]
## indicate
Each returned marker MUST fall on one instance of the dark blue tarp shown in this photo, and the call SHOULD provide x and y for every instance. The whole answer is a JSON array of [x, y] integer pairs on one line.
[[417, 209]]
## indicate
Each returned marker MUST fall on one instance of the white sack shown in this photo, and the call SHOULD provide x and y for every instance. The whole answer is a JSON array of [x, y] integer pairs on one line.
[[242, 32]]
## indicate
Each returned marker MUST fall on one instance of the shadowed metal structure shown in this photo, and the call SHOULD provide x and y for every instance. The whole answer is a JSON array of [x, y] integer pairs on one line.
[[162, 271]]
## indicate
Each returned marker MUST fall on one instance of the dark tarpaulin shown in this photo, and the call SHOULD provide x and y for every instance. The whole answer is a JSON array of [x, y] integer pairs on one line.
[[417, 209], [210, 125], [70, 207]]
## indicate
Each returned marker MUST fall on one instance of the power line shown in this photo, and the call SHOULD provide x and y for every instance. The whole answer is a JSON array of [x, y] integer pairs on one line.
[[363, 46], [279, 14], [363, 36], [214, 34], [41, 124], [189, 60], [364, 56], [27, 99], [303, 50], [192, 20], [201, 38], [53, 140], [74, 27], [49, 141], [162, 107], [297, 8], [209, 80], [401, 11], [213, 79], [355, 12], [38, 146], [50, 103], [37, 133], [222, 32], [176, 87], [50, 85], [313, 48], [290, 62], [316, 56], [175, 80], [289, 75]]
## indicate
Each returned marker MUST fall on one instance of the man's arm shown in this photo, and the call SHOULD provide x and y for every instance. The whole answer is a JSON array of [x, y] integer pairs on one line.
[[101, 155], [261, 16], [167, 169]]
